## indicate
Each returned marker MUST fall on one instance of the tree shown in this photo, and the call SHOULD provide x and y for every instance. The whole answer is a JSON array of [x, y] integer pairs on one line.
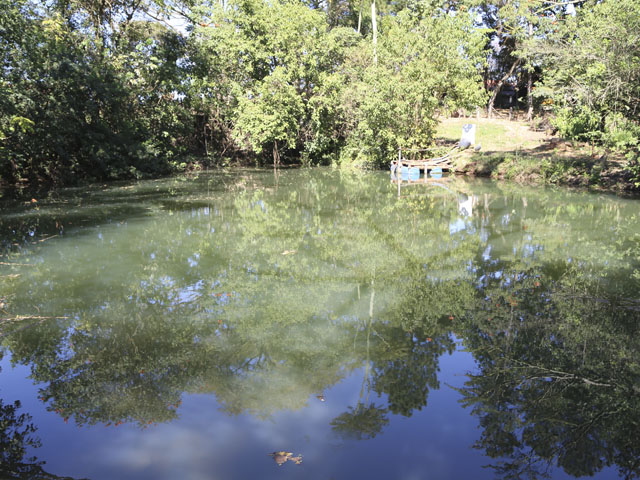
[[17, 435], [424, 66], [592, 73], [265, 74], [68, 112]]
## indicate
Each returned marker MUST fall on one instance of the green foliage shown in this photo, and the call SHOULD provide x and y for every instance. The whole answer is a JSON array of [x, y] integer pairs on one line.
[[579, 123], [632, 167], [423, 66], [277, 83], [92, 93], [67, 112], [126, 97], [264, 80], [552, 169], [620, 132], [278, 106], [592, 73], [513, 167]]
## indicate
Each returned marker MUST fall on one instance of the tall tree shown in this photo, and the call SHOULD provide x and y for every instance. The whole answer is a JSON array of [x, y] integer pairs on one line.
[[592, 73], [424, 66], [516, 27]]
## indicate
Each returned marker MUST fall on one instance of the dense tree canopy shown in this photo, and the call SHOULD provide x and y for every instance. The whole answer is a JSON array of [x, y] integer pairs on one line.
[[593, 72], [99, 90]]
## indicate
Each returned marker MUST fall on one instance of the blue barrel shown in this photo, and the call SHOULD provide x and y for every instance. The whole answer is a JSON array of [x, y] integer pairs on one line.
[[414, 173], [404, 173], [436, 172]]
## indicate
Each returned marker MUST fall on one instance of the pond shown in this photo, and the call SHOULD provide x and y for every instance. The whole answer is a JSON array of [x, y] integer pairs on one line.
[[319, 324]]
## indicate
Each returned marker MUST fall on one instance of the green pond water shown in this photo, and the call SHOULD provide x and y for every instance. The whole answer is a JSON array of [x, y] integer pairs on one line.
[[318, 324]]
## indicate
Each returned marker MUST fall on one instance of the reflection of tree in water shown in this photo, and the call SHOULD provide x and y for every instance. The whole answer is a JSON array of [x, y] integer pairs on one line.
[[363, 422], [407, 380], [360, 423], [17, 435], [559, 379], [228, 314], [418, 335], [261, 290], [401, 364]]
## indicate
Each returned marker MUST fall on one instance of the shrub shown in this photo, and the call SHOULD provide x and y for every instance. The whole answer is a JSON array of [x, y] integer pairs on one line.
[[633, 167], [620, 133], [577, 123]]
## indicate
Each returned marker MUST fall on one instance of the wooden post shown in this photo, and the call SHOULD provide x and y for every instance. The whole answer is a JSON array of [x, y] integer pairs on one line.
[[399, 168]]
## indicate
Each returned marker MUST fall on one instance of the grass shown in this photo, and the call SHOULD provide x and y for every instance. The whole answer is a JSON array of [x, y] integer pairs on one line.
[[495, 135], [512, 151]]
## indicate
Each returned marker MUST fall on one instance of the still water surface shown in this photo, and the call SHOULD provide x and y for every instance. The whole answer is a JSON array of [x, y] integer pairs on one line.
[[188, 328]]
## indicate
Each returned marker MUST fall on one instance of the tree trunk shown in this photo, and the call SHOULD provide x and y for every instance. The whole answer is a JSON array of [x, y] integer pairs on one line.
[[204, 136], [499, 86], [374, 25], [276, 155], [530, 97], [530, 84], [360, 15]]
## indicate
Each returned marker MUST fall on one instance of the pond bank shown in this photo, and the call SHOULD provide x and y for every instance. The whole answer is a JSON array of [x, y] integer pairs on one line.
[[599, 173]]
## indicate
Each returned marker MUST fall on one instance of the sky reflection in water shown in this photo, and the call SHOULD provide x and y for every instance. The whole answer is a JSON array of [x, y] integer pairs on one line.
[[205, 443]]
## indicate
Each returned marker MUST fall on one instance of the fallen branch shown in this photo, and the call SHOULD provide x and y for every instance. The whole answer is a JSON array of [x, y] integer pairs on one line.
[[19, 318], [47, 238], [559, 375]]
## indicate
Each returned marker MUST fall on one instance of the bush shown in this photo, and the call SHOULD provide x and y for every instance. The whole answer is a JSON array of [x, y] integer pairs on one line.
[[620, 133], [578, 123], [633, 168]]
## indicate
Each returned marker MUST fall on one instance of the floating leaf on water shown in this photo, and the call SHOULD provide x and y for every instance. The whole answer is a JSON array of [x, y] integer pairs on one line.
[[281, 458]]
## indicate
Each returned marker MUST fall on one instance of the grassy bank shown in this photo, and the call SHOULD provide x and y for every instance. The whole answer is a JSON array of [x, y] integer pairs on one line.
[[512, 150]]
